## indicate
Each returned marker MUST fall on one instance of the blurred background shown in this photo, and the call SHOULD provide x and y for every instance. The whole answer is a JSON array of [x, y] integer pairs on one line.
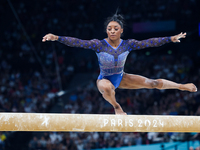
[[50, 77]]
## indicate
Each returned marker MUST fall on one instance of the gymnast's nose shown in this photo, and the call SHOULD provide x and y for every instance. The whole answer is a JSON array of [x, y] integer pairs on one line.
[[112, 31]]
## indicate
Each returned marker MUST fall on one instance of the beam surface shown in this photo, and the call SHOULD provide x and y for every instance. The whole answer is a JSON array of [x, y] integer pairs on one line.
[[97, 123]]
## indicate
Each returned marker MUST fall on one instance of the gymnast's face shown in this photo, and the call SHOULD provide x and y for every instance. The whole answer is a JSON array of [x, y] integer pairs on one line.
[[114, 30]]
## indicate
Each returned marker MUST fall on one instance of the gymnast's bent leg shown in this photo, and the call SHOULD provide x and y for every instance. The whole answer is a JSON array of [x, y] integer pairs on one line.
[[107, 89], [131, 81]]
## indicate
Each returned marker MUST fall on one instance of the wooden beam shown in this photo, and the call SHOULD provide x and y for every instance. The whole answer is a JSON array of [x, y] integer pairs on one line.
[[97, 123]]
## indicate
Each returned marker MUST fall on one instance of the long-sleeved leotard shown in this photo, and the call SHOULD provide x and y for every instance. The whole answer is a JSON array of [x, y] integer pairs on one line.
[[112, 60]]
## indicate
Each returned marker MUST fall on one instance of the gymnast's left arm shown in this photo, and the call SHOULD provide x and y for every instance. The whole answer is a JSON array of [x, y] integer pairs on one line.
[[155, 42]]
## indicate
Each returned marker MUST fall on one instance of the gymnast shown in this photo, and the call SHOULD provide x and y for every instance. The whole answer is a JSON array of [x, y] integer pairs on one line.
[[112, 53]]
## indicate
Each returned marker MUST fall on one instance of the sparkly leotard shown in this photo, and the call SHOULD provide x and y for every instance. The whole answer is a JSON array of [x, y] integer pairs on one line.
[[112, 60]]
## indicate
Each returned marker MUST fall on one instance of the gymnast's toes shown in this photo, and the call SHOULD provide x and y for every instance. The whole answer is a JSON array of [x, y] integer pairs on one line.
[[189, 87], [194, 88], [123, 113]]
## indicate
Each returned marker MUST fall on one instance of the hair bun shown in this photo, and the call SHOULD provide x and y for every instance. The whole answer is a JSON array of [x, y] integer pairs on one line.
[[120, 17]]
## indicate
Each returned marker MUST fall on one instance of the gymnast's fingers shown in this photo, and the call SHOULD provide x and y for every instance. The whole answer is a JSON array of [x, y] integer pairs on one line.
[[45, 38], [183, 35]]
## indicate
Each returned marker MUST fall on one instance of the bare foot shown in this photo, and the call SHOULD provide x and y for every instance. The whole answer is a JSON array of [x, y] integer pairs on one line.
[[188, 87], [119, 111]]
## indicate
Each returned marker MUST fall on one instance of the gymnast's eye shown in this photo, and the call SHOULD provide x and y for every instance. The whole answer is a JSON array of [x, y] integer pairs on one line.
[[109, 29], [116, 29]]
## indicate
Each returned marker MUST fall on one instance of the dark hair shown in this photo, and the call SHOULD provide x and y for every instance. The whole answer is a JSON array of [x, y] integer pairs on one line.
[[116, 17]]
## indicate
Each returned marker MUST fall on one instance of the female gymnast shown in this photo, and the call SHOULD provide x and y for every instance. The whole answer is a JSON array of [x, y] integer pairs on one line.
[[112, 53]]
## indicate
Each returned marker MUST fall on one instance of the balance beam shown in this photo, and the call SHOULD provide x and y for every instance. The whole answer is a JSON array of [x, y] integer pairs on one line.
[[97, 123]]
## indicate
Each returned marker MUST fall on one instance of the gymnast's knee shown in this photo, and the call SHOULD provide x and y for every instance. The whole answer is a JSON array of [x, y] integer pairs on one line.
[[105, 89], [108, 91], [154, 83]]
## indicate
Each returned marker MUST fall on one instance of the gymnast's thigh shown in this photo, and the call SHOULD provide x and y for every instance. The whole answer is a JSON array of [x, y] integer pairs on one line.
[[131, 81], [104, 85]]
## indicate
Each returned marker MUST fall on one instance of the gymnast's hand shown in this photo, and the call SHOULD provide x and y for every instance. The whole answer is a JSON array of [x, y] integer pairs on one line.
[[176, 38], [50, 37]]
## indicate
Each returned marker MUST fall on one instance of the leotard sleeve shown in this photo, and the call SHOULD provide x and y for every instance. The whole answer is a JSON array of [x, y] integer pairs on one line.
[[152, 42], [75, 42]]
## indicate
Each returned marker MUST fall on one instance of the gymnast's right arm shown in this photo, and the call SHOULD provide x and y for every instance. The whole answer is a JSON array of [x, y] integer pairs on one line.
[[73, 42]]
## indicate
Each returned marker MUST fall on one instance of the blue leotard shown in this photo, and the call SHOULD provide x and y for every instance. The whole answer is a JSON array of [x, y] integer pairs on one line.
[[112, 60]]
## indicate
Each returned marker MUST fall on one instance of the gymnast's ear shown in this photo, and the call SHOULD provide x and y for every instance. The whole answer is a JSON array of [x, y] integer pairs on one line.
[[122, 30]]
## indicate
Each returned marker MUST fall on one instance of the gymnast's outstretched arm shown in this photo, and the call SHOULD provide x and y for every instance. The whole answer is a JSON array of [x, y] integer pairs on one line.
[[154, 42], [73, 42]]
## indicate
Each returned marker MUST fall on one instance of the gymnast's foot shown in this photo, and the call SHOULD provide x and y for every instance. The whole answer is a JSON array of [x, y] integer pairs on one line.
[[119, 111], [188, 87]]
